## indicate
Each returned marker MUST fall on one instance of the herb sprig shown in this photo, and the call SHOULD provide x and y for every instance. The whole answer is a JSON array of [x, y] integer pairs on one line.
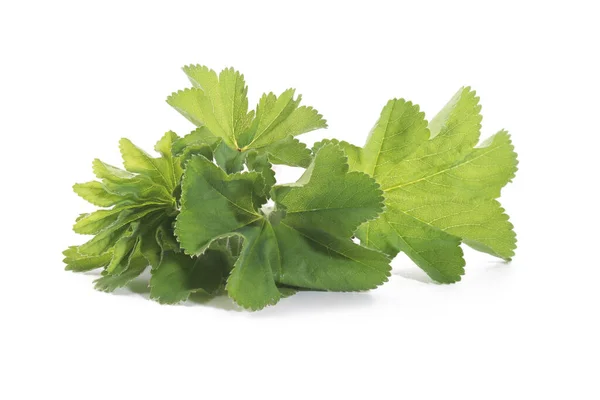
[[197, 214]]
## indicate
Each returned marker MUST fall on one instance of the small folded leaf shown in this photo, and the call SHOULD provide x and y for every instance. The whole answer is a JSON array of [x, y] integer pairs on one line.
[[123, 251], [260, 163], [230, 160], [251, 283], [82, 262], [139, 227], [94, 192], [92, 223], [179, 275], [137, 187], [108, 283], [159, 170], [289, 151], [199, 136]]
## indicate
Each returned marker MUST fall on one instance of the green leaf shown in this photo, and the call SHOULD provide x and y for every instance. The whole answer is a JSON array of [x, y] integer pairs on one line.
[[82, 262], [139, 227], [285, 291], [92, 223], [230, 160], [137, 187], [179, 275], [173, 167], [260, 163], [219, 103], [220, 106], [328, 197], [108, 283], [199, 136], [439, 188], [323, 209], [166, 236], [150, 247], [289, 151], [305, 242], [103, 242], [123, 251], [251, 283], [215, 205], [94, 192], [278, 117], [158, 170]]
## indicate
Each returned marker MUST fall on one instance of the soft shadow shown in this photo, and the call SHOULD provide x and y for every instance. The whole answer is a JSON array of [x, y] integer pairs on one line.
[[222, 302], [493, 270], [305, 302], [471, 271], [301, 302], [94, 272], [139, 286], [496, 266], [414, 274]]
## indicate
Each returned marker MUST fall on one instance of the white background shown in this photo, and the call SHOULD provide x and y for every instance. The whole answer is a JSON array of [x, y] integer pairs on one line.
[[76, 77]]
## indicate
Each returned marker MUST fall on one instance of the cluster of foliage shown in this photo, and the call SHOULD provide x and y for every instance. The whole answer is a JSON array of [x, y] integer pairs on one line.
[[206, 215]]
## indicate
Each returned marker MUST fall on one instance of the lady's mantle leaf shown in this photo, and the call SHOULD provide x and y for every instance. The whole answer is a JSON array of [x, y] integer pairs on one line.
[[220, 104], [137, 230], [439, 188], [304, 242], [180, 275]]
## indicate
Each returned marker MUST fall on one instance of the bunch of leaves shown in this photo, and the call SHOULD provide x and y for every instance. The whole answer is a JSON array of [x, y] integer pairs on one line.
[[208, 215], [134, 226]]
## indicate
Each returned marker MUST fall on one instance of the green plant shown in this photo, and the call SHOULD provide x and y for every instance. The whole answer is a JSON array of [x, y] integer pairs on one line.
[[207, 215]]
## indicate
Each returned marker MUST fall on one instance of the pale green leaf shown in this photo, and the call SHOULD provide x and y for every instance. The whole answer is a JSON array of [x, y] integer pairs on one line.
[[278, 117], [159, 170], [82, 262], [94, 192], [199, 136], [289, 151], [123, 251], [137, 187], [220, 104], [439, 189], [92, 223]]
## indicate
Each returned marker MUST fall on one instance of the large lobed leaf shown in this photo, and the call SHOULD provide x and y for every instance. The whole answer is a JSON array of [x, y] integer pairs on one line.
[[439, 188], [305, 241]]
